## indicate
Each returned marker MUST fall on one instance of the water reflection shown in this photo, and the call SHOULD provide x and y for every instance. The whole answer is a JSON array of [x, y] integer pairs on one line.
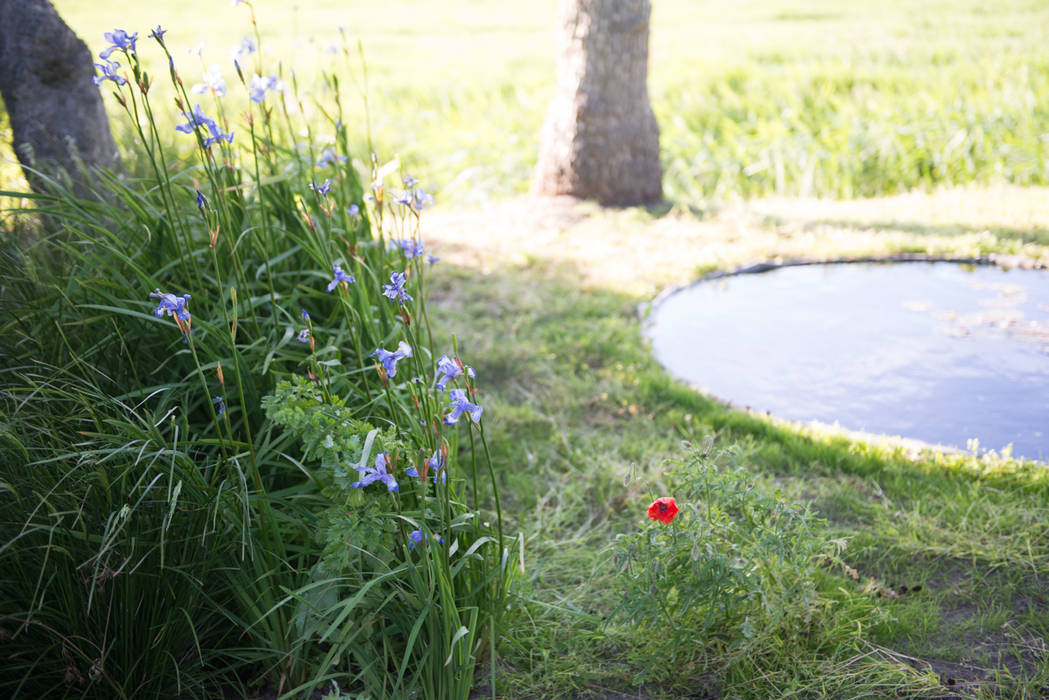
[[936, 351]]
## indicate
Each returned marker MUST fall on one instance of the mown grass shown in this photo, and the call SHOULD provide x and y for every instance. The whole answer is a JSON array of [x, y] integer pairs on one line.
[[951, 551]]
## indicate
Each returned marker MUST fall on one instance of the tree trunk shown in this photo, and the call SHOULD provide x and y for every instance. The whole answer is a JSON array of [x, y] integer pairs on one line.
[[600, 140], [56, 112]]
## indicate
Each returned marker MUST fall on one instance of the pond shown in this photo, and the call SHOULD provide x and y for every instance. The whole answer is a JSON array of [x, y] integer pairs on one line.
[[940, 352]]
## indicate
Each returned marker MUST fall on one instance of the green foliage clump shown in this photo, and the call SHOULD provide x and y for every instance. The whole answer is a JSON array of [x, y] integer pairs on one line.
[[741, 584], [183, 511], [407, 586]]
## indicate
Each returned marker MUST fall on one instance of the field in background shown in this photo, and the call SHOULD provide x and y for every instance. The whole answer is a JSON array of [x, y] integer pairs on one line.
[[804, 98]]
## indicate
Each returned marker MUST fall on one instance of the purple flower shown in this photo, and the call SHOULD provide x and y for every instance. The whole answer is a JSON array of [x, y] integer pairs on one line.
[[421, 198], [257, 90], [246, 47], [410, 182], [414, 537], [450, 369], [120, 41], [194, 120], [217, 135], [379, 473], [304, 335], [213, 82], [436, 465], [460, 405], [109, 69], [305, 316], [328, 155], [220, 404], [340, 276], [353, 210], [389, 359], [171, 305], [324, 188], [259, 86], [395, 290], [432, 259], [201, 200], [412, 472], [158, 34], [411, 248]]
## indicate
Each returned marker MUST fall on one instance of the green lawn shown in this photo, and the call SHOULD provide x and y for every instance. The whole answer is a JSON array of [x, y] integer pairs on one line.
[[953, 551], [941, 585]]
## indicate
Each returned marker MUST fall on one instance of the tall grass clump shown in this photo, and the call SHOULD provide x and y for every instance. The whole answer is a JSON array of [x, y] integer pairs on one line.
[[235, 460], [839, 130]]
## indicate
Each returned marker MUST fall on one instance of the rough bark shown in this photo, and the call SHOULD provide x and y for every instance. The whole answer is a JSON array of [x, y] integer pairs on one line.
[[56, 112], [600, 139]]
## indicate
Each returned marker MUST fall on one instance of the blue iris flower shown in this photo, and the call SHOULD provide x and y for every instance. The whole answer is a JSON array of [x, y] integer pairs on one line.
[[411, 248], [421, 198], [328, 156], [414, 538], [395, 290], [412, 472], [220, 404], [171, 305], [436, 465], [460, 405], [259, 87], [257, 91], [353, 210], [158, 34], [217, 135], [201, 200], [324, 188], [340, 276], [379, 473], [304, 335], [120, 41], [449, 369], [213, 82], [195, 120], [109, 69], [389, 359]]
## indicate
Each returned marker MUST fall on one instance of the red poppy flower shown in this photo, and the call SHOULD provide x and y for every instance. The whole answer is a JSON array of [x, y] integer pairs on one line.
[[663, 509]]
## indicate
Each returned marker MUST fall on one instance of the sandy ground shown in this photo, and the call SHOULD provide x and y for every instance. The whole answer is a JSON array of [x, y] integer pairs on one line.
[[642, 251]]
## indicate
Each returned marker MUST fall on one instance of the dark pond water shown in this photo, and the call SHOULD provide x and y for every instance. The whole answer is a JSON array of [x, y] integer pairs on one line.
[[940, 352]]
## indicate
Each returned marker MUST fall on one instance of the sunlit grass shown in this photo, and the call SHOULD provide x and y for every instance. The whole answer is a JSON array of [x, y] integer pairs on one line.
[[817, 98]]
